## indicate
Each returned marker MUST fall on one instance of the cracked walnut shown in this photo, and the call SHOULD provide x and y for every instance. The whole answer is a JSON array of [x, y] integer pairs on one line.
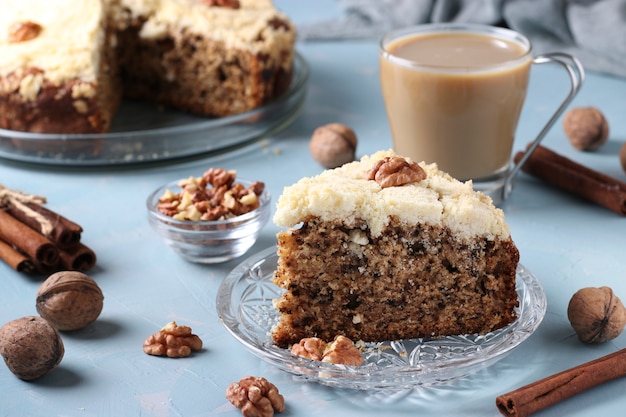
[[339, 351], [173, 341], [256, 397]]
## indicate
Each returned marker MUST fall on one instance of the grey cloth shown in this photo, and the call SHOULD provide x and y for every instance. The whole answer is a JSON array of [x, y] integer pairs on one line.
[[592, 30]]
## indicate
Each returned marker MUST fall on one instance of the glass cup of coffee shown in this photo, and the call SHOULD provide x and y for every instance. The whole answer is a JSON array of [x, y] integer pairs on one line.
[[454, 94]]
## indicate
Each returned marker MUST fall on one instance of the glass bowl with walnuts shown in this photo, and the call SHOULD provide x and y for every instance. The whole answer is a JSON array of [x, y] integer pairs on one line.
[[212, 218]]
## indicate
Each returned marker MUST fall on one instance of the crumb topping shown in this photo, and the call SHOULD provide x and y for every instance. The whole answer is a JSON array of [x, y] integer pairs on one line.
[[346, 193]]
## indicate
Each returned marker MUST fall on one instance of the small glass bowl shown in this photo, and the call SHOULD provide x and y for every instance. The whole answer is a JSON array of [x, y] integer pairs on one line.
[[213, 241]]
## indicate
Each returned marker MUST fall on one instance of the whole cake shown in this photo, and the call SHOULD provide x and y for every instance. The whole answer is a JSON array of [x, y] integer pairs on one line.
[[64, 65], [385, 249]]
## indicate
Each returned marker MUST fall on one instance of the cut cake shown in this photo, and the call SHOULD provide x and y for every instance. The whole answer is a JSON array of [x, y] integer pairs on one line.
[[63, 62]]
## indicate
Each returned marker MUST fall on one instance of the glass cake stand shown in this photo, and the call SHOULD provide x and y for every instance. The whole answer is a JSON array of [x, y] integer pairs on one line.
[[244, 305], [145, 132]]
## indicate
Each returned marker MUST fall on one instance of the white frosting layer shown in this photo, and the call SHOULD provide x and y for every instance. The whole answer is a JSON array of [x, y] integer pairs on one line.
[[69, 42], [347, 195]]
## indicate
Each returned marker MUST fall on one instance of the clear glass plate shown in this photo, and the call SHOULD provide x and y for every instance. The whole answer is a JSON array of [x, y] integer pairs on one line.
[[145, 132], [244, 305]]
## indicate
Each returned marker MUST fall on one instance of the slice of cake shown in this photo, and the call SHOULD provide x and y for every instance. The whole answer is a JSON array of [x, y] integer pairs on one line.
[[387, 249], [57, 67]]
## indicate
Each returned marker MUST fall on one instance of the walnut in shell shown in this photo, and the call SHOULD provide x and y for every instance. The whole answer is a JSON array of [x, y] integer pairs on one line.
[[586, 128], [31, 347], [69, 300], [333, 145], [596, 314]]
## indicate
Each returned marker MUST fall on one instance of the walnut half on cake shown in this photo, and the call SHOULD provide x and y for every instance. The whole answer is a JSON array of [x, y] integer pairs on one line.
[[387, 249]]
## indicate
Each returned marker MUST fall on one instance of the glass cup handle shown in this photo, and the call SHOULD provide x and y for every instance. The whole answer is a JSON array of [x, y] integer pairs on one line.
[[576, 74]]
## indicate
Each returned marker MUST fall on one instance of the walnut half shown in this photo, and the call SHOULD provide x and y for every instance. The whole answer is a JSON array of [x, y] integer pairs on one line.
[[256, 397], [173, 341], [394, 171], [310, 348], [342, 351], [339, 351], [24, 31]]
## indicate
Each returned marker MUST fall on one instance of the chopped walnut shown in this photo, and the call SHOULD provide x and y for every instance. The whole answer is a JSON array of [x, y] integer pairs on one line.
[[24, 31], [393, 171], [339, 351], [256, 397], [81, 106], [230, 4], [310, 348], [342, 351], [223, 200], [173, 341]]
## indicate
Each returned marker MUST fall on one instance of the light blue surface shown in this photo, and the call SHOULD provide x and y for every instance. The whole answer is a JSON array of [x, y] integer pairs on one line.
[[566, 242]]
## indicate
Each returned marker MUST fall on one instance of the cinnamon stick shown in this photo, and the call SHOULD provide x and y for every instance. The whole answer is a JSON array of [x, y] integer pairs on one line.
[[60, 230], [558, 387], [15, 259], [576, 178], [79, 258], [33, 244]]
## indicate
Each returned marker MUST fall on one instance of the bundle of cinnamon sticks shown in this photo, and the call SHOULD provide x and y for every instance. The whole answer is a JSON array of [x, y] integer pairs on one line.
[[36, 239]]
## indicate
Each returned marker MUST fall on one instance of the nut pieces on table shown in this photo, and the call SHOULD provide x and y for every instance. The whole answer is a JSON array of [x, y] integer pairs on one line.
[[339, 351], [596, 314], [256, 397], [223, 200], [173, 341]]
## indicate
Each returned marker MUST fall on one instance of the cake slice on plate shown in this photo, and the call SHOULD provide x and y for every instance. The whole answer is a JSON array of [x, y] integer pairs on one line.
[[385, 249]]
